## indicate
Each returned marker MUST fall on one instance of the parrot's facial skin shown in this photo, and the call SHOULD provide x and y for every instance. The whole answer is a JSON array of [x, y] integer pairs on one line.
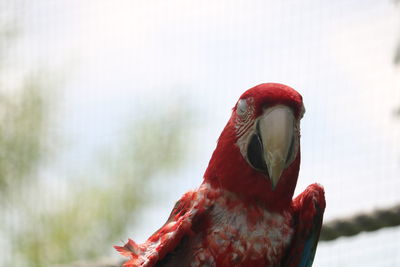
[[258, 152]]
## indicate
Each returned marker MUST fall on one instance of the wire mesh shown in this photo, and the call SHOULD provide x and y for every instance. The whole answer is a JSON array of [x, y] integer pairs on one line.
[[109, 111]]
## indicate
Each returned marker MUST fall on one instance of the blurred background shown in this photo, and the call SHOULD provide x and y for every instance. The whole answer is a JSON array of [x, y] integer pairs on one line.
[[110, 110]]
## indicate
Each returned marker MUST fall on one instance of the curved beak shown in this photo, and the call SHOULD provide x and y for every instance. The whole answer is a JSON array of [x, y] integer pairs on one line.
[[276, 127]]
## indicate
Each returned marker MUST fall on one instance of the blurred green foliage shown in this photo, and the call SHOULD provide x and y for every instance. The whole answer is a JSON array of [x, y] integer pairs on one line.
[[22, 128], [37, 227], [96, 216]]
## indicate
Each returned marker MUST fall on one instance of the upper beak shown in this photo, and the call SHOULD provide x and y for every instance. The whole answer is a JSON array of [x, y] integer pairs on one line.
[[276, 128]]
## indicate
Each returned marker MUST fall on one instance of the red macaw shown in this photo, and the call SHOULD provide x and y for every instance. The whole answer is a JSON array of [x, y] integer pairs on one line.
[[243, 213]]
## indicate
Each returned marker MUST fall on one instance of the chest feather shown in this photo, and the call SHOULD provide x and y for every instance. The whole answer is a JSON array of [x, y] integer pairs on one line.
[[244, 235]]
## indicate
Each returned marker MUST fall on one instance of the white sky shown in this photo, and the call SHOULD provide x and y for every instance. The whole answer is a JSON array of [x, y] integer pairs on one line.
[[120, 57]]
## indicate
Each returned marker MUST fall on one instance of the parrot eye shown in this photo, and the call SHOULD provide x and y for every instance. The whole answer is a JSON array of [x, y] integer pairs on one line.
[[241, 108]]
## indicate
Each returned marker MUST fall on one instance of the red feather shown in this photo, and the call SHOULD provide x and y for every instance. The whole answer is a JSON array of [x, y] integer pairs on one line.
[[236, 218]]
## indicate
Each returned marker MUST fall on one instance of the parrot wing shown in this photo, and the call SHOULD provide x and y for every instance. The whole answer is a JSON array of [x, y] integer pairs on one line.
[[156, 251], [309, 208]]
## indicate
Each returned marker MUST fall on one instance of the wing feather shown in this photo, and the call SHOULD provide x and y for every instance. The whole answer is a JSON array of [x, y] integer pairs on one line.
[[308, 208], [169, 236]]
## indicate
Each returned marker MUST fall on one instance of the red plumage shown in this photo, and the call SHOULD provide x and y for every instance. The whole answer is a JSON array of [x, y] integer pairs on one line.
[[242, 215]]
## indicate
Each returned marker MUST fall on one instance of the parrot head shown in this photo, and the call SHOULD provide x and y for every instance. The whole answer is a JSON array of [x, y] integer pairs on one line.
[[258, 152]]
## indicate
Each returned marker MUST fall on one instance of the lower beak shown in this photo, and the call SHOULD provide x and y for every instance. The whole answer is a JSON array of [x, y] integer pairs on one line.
[[276, 128]]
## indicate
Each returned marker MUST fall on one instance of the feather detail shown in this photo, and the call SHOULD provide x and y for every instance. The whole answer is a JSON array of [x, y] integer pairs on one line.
[[238, 217], [129, 248], [167, 238], [308, 208]]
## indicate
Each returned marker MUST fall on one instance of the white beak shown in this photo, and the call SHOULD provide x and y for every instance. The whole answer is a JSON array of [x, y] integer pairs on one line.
[[276, 128]]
